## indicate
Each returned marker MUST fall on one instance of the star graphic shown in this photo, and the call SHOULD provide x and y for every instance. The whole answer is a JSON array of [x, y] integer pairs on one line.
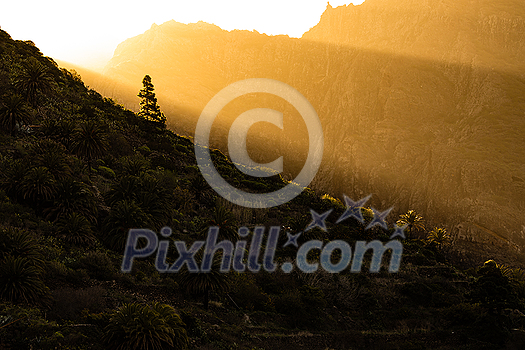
[[318, 220], [399, 231], [379, 218], [292, 239], [353, 209]]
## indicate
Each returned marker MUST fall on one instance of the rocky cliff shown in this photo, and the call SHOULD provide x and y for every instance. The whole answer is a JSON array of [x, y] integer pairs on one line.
[[422, 102]]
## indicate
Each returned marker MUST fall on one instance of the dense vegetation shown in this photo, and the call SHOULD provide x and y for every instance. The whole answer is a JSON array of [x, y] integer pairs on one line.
[[77, 171]]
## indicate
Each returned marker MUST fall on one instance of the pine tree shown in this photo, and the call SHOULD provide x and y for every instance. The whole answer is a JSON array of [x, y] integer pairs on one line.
[[149, 109]]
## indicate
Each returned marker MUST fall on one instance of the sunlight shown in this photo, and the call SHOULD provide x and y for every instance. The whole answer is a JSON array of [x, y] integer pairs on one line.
[[87, 33]]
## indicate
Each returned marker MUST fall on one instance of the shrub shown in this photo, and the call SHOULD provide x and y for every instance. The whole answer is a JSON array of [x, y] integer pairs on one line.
[[439, 237], [75, 229], [492, 289], [108, 173], [19, 243], [20, 281], [27, 326], [134, 326]]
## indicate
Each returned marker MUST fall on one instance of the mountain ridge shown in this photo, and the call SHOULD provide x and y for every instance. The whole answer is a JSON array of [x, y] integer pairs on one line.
[[450, 110], [67, 212]]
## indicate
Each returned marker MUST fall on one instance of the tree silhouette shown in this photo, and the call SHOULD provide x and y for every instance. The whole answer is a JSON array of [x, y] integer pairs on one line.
[[492, 289], [76, 229], [224, 219], [149, 109], [155, 327], [155, 200], [20, 267], [53, 156], [90, 141], [201, 189], [123, 216], [34, 79], [72, 196], [412, 220], [439, 237], [202, 283], [14, 113], [127, 188], [20, 243], [20, 280], [60, 130], [14, 172], [38, 186]]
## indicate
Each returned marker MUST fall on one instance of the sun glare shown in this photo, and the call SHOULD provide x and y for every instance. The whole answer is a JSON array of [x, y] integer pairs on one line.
[[87, 32]]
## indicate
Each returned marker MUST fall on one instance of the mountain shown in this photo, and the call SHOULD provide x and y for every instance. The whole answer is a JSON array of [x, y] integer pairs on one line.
[[78, 172], [421, 102]]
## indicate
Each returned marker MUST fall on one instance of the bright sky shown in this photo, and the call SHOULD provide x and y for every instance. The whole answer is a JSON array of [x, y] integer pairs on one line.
[[87, 32]]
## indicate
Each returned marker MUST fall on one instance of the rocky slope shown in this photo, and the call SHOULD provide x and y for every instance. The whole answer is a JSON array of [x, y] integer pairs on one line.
[[421, 102]]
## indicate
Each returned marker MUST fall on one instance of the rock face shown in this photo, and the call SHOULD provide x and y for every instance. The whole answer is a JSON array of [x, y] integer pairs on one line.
[[422, 102]]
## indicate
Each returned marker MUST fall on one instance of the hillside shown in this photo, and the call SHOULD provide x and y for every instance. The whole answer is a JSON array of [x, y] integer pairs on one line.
[[79, 171], [421, 102]]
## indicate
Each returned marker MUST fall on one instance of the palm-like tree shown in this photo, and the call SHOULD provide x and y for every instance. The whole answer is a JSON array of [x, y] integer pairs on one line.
[[20, 280], [147, 192], [19, 243], [20, 267], [202, 283], [201, 188], [38, 186], [517, 274], [14, 172], [90, 141], [127, 188], [123, 216], [155, 199], [76, 229], [224, 219], [134, 326], [439, 237], [53, 158], [60, 130], [135, 165], [33, 80], [173, 321], [70, 197], [13, 113], [412, 220], [184, 200]]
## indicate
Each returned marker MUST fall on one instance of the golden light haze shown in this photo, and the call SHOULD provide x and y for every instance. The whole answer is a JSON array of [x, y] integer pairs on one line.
[[421, 103], [87, 32]]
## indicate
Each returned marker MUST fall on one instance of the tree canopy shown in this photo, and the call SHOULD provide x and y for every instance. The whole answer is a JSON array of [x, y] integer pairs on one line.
[[149, 108]]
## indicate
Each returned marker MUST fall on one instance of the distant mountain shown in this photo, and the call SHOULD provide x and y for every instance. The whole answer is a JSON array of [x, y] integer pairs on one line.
[[78, 171], [422, 102]]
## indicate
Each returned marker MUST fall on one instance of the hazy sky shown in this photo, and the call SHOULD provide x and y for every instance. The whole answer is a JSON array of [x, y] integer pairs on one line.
[[87, 32]]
